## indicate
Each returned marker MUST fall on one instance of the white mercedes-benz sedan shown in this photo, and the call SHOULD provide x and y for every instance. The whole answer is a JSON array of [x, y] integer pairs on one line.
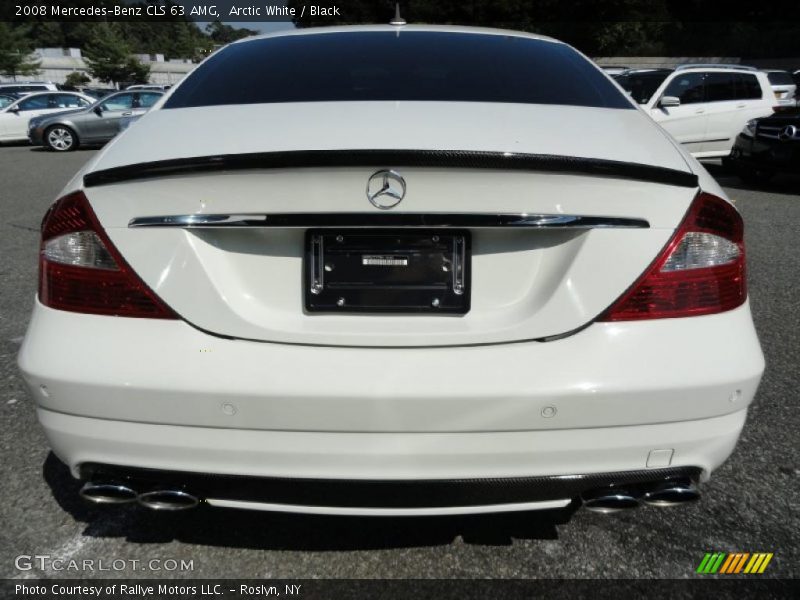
[[393, 270]]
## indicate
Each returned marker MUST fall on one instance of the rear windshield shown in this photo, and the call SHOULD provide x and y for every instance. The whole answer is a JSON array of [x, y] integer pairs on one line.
[[412, 66], [780, 78]]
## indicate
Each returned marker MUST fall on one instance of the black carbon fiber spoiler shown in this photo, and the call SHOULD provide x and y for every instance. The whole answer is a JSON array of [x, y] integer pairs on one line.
[[458, 159]]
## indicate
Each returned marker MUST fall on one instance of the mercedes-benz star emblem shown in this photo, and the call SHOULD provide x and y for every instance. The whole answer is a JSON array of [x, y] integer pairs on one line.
[[788, 132], [385, 189]]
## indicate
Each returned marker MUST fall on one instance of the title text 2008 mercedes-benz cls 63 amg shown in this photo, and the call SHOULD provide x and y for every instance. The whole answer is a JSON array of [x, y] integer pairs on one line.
[[393, 270]]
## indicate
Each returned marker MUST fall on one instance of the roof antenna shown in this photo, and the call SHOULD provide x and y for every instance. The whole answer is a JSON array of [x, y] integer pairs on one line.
[[397, 20]]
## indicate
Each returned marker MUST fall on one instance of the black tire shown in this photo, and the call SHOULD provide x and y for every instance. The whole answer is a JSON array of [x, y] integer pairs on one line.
[[60, 138], [755, 176]]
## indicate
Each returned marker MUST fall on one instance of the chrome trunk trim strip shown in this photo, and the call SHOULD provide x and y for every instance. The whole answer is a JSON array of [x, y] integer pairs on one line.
[[378, 220]]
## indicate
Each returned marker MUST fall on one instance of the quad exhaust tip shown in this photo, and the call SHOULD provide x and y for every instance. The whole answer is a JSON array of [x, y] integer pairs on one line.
[[168, 500], [609, 500], [604, 500], [108, 493], [117, 493], [664, 493], [671, 493]]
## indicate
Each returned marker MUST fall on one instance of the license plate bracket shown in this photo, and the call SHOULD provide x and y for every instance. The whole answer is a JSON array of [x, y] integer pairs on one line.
[[387, 271]]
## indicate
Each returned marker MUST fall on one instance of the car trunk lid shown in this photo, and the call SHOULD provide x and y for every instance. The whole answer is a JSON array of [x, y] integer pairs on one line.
[[526, 282]]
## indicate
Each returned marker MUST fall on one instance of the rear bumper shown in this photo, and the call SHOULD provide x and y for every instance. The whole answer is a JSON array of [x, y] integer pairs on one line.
[[386, 497], [388, 473], [704, 443], [616, 397], [608, 375]]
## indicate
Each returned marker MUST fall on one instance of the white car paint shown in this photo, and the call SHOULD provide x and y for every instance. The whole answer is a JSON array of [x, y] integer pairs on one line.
[[247, 383], [785, 93], [533, 129], [14, 117], [709, 128], [237, 304]]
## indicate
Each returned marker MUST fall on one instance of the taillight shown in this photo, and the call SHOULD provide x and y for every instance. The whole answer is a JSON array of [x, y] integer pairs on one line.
[[80, 270], [701, 271]]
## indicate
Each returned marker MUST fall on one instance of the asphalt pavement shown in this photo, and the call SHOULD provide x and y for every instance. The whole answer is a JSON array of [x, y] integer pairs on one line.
[[752, 503]]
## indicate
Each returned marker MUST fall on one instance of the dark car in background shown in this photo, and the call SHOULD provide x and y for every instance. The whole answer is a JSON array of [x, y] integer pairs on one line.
[[767, 146], [94, 125]]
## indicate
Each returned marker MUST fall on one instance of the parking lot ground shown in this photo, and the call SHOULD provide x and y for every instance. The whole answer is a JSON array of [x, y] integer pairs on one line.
[[751, 505]]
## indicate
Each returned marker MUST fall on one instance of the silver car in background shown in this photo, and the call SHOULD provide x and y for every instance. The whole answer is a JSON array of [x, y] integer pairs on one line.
[[96, 124]]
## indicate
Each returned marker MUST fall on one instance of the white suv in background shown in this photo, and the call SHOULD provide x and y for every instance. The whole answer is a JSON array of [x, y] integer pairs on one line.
[[783, 86], [704, 107]]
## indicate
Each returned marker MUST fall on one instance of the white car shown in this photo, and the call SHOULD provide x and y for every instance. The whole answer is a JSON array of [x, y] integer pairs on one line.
[[704, 107], [783, 86], [409, 282], [148, 86], [27, 87], [14, 117]]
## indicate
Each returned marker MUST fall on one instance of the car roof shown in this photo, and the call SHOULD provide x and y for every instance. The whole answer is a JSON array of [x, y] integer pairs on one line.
[[399, 29], [714, 67], [653, 70], [134, 91], [49, 92], [35, 94]]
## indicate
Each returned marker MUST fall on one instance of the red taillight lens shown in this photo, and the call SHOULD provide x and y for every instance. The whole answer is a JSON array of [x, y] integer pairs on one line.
[[80, 270], [701, 271]]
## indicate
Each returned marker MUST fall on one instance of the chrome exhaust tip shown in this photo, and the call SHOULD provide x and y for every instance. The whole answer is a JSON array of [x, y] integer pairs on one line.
[[107, 493], [168, 500], [609, 500], [672, 493]]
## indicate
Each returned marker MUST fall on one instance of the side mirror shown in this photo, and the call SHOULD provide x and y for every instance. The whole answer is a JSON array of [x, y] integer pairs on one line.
[[667, 101], [14, 109], [98, 110]]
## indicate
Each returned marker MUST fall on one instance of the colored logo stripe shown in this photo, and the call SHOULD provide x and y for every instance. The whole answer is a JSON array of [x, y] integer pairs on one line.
[[758, 563], [711, 563], [724, 563]]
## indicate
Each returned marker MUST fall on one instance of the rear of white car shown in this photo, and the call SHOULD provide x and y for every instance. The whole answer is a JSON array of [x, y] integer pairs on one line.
[[784, 87], [394, 291]]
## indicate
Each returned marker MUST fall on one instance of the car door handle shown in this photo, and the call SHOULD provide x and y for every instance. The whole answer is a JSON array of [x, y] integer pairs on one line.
[[127, 114], [741, 105], [700, 111]]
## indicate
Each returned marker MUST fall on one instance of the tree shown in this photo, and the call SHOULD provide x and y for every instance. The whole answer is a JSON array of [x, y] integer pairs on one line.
[[134, 71], [225, 34], [15, 50], [77, 79], [109, 58]]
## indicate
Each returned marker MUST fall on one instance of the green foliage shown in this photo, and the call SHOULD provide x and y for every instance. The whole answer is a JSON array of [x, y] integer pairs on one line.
[[596, 27], [172, 36], [225, 34], [109, 59], [77, 79], [15, 49]]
